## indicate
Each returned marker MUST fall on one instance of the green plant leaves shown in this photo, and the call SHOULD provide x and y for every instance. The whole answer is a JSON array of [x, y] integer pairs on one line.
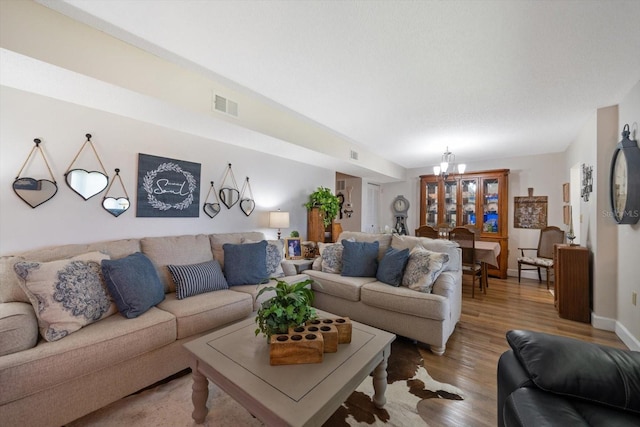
[[290, 307]]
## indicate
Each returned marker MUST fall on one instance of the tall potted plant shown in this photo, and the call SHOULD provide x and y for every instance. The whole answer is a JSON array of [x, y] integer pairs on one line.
[[327, 202], [290, 307]]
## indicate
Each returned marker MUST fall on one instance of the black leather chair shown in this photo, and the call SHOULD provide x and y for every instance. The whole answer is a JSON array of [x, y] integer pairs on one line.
[[548, 380]]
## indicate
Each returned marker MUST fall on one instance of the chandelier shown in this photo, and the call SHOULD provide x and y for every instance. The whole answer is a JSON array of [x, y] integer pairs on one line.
[[447, 164]]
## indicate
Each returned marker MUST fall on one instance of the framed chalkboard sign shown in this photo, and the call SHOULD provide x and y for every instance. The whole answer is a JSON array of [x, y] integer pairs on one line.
[[167, 187]]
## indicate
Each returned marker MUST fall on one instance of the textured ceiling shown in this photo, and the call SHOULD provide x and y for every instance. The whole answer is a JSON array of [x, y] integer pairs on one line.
[[405, 79]]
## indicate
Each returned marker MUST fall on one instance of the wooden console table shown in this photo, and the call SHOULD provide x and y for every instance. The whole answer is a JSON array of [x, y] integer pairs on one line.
[[572, 293]]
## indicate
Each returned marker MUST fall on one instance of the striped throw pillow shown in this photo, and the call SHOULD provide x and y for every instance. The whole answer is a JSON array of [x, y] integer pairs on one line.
[[197, 279]]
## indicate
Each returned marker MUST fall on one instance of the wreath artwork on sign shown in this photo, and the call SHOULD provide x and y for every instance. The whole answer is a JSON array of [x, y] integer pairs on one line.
[[167, 187]]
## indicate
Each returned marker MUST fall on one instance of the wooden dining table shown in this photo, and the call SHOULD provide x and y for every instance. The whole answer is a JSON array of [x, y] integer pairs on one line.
[[487, 254]]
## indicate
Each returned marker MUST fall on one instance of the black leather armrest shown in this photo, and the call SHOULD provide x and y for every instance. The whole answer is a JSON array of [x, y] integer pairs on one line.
[[579, 369]]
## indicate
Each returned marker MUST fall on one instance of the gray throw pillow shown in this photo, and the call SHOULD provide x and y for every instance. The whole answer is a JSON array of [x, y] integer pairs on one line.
[[359, 259], [245, 264], [198, 278], [391, 267], [133, 283]]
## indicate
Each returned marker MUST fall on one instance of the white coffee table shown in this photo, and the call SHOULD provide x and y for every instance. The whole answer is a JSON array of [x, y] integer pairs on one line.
[[289, 395]]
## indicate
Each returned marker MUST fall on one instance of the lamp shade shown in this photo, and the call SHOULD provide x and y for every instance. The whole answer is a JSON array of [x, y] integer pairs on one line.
[[278, 219]]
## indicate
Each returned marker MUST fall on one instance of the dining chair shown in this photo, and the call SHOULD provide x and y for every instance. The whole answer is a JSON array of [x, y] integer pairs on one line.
[[427, 231], [470, 266], [549, 237]]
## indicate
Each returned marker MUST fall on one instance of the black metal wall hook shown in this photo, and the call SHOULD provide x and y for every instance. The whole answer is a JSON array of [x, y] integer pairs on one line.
[[88, 137], [37, 141]]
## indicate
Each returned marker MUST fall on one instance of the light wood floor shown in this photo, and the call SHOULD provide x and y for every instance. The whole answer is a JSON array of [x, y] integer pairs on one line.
[[471, 359]]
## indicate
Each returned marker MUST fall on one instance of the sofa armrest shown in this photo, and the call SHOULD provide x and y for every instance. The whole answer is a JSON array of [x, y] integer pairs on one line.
[[578, 369], [18, 327]]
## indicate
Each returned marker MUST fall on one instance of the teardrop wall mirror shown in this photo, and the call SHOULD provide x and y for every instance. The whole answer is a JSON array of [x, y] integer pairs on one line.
[[229, 196], [83, 182], [116, 206], [35, 192]]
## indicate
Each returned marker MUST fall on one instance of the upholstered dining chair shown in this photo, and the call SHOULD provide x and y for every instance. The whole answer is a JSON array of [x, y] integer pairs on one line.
[[470, 266], [549, 236], [427, 231]]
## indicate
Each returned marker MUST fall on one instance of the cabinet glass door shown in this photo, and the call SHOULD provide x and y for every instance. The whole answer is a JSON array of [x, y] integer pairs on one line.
[[432, 204], [450, 202], [490, 203], [469, 188]]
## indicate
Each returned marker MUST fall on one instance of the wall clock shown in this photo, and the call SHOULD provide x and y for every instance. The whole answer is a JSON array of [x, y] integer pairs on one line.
[[400, 207], [625, 180]]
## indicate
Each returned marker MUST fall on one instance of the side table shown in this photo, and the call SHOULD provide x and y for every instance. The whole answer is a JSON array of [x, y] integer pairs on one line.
[[299, 265]]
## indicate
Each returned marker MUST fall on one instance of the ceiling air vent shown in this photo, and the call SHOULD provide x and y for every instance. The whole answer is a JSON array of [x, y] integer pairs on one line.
[[225, 105], [354, 155]]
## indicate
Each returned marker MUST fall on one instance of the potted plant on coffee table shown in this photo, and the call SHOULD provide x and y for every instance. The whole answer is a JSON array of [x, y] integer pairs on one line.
[[290, 307]]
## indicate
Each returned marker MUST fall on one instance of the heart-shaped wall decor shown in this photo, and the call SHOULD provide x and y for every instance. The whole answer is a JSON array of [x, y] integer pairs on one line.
[[229, 196], [116, 207], [86, 184], [34, 192], [247, 206], [211, 209]]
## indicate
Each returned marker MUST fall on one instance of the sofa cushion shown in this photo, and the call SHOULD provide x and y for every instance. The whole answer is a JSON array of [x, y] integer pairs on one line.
[[198, 278], [275, 255], [207, 311], [384, 240], [66, 294], [218, 240], [448, 247], [134, 284], [175, 250], [94, 347], [423, 268], [359, 259], [392, 265], [246, 263], [18, 327], [405, 300], [344, 287], [10, 290], [331, 255], [571, 367]]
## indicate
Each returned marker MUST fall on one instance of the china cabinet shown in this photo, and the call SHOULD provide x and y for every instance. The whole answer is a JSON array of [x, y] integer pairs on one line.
[[475, 199]]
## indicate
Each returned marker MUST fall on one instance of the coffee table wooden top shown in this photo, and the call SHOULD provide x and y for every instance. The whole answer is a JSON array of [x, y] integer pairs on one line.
[[297, 395]]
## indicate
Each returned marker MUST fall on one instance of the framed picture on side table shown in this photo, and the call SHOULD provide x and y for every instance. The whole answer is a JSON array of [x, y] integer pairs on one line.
[[292, 248]]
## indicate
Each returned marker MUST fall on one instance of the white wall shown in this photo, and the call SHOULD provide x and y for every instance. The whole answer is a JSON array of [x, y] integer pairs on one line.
[[67, 218], [628, 267]]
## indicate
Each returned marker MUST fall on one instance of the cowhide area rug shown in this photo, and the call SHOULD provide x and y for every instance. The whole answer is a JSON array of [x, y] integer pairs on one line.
[[169, 404]]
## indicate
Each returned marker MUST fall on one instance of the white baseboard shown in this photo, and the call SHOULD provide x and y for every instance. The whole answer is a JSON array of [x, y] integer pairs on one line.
[[598, 322], [529, 274]]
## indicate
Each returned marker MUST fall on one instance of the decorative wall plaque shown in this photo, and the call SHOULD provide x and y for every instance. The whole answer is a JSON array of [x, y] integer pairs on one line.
[[167, 187], [530, 211]]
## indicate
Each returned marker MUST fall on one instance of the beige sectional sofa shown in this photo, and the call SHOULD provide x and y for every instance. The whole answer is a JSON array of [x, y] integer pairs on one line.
[[429, 318], [46, 383]]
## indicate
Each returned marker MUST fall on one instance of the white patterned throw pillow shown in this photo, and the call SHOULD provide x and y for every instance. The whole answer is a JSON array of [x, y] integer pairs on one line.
[[66, 294], [275, 254], [423, 268], [332, 258]]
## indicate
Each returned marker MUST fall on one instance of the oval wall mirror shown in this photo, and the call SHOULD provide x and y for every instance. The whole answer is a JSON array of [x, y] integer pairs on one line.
[[86, 184], [116, 206], [34, 192]]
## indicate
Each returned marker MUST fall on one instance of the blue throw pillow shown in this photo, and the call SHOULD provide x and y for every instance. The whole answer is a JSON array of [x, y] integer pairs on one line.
[[133, 283], [245, 264], [360, 259], [198, 278], [392, 266]]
